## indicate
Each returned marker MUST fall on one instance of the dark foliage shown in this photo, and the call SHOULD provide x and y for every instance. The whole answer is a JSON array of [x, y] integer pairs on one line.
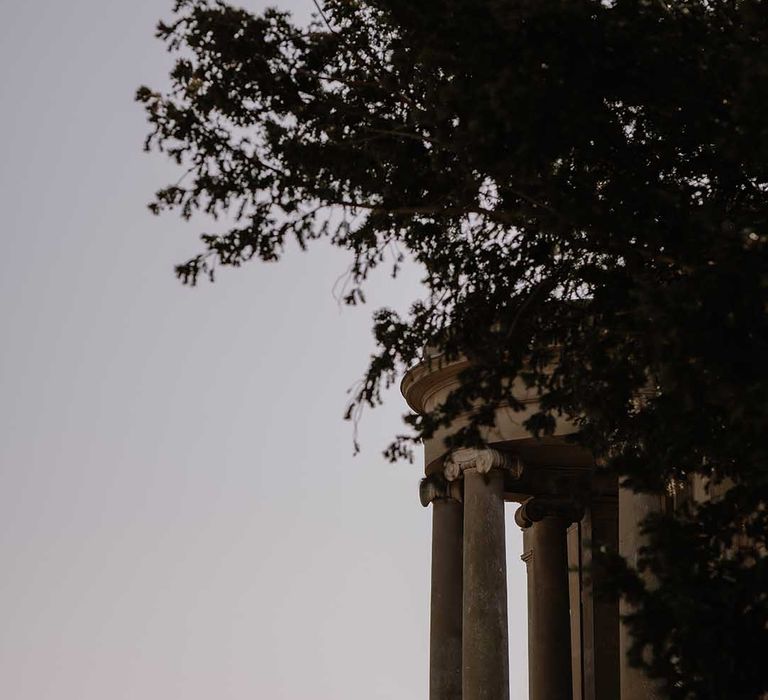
[[584, 184]]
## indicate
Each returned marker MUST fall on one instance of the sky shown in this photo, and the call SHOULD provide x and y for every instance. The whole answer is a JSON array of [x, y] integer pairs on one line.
[[181, 513]]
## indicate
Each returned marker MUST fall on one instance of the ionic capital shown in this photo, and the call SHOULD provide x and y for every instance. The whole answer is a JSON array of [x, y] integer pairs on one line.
[[540, 507], [436, 487], [481, 459]]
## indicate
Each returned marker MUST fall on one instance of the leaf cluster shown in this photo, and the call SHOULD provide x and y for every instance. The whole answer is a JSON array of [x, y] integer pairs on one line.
[[584, 185]]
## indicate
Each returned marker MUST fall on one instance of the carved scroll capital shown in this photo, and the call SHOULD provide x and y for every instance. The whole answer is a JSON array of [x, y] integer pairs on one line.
[[481, 459], [436, 487], [540, 507]]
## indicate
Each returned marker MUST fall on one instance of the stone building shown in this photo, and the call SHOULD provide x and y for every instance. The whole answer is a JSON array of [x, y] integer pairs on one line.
[[576, 644]]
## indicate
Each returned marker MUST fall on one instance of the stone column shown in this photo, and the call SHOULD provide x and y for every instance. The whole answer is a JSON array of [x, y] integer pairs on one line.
[[545, 522], [486, 643], [447, 575], [485, 648], [633, 508]]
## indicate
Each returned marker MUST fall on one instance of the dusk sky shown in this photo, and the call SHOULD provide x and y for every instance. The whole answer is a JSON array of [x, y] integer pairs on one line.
[[181, 514]]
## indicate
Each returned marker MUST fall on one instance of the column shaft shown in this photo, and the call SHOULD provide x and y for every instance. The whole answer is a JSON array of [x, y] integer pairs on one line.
[[633, 508], [446, 604], [549, 633], [485, 645]]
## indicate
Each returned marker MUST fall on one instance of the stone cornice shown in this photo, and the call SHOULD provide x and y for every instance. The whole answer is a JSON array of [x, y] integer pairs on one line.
[[437, 373], [428, 377]]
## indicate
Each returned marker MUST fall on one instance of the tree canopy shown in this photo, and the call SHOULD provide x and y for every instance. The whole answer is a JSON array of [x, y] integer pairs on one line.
[[584, 184]]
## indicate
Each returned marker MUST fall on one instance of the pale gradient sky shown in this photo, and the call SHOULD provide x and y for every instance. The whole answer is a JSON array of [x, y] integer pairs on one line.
[[181, 515]]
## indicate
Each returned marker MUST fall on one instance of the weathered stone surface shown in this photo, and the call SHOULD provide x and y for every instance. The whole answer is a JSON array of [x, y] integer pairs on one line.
[[633, 508], [446, 606], [549, 627], [486, 642]]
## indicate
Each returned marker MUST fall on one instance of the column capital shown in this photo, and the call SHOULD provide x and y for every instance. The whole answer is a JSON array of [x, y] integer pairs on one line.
[[481, 459], [436, 487], [540, 507]]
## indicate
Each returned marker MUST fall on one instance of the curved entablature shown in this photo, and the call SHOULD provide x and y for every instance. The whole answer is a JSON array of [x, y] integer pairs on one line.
[[428, 384]]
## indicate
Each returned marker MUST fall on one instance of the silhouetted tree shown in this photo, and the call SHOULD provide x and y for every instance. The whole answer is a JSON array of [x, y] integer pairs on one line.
[[584, 185]]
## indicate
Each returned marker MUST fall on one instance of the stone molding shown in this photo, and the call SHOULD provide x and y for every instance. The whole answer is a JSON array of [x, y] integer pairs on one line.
[[432, 375], [536, 509], [527, 555], [481, 459], [437, 372]]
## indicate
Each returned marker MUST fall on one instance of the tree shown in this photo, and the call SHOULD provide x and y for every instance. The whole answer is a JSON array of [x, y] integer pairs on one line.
[[584, 184]]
